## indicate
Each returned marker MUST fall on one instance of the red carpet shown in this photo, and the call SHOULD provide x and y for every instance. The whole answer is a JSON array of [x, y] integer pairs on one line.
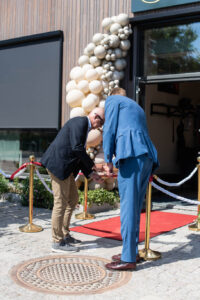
[[160, 222]]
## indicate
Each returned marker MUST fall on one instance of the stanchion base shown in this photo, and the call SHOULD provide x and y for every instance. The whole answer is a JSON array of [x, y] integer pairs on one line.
[[30, 228], [148, 254], [84, 216], [195, 226]]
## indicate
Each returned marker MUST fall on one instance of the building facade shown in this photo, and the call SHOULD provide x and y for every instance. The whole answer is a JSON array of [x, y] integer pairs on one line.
[[163, 72]]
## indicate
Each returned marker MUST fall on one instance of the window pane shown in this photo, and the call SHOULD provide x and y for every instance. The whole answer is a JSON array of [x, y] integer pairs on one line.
[[16, 146], [172, 50]]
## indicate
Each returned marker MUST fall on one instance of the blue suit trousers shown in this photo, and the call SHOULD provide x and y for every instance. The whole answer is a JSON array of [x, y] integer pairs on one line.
[[133, 178]]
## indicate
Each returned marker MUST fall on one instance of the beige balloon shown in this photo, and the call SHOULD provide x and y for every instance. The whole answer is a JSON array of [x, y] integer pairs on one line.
[[90, 102], [71, 85], [74, 98], [77, 74], [83, 85], [94, 138], [91, 74], [87, 67], [95, 86], [77, 112]]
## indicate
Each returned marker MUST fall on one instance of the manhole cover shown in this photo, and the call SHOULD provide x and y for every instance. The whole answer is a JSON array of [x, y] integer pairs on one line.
[[68, 275]]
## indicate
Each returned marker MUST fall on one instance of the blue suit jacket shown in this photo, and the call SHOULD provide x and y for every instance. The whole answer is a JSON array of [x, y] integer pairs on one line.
[[125, 132]]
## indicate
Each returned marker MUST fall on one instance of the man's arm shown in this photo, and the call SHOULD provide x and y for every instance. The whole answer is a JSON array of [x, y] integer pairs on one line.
[[110, 129]]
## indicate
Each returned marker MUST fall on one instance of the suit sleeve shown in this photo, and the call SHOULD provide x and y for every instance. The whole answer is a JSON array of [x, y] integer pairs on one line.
[[78, 137], [110, 129]]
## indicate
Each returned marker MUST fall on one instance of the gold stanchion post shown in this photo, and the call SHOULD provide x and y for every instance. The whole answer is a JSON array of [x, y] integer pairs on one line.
[[85, 215], [146, 253], [196, 225], [31, 227]]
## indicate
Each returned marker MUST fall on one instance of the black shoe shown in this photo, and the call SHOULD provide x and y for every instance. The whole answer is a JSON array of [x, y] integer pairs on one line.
[[71, 240]]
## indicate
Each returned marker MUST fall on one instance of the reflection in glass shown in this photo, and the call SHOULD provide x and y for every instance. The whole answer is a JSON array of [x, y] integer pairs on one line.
[[172, 50]]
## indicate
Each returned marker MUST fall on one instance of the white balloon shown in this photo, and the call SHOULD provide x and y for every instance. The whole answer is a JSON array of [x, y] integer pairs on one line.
[[97, 38], [77, 112], [125, 45], [83, 85], [90, 48], [114, 19], [91, 75], [113, 57], [105, 84], [108, 57], [102, 103], [114, 40], [74, 98], [123, 19], [114, 28], [87, 67], [95, 86], [99, 70], [106, 23], [85, 52], [90, 102], [95, 61], [71, 85], [100, 51], [84, 59], [77, 74]]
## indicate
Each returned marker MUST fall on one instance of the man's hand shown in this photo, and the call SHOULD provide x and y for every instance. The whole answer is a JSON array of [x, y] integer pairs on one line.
[[96, 177], [109, 169]]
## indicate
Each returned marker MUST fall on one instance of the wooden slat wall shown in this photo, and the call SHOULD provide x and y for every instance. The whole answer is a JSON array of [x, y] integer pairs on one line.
[[78, 19]]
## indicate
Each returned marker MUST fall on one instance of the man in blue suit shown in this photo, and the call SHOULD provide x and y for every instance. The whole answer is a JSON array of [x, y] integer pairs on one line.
[[125, 137]]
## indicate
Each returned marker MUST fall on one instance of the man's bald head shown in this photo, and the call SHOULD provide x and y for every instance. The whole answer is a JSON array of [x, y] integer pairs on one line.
[[96, 117]]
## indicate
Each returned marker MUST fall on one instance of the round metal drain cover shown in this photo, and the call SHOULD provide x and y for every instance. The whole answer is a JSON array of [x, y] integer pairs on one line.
[[68, 275]]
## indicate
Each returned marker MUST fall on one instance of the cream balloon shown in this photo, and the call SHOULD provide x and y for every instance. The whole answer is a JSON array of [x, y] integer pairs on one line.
[[99, 70], [77, 112], [106, 23], [87, 67], [83, 86], [84, 59], [97, 38], [100, 52], [123, 19], [95, 61], [94, 138], [74, 98], [90, 48], [91, 75], [114, 41], [102, 103], [71, 85], [114, 28], [77, 74], [90, 102], [95, 86]]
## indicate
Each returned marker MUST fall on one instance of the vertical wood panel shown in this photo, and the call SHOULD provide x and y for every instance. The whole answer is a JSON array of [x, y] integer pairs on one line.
[[78, 19]]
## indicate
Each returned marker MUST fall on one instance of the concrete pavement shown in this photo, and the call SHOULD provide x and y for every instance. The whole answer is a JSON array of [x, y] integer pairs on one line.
[[174, 277]]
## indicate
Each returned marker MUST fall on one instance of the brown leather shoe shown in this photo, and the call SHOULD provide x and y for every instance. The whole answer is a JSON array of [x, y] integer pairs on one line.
[[121, 266], [118, 257]]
